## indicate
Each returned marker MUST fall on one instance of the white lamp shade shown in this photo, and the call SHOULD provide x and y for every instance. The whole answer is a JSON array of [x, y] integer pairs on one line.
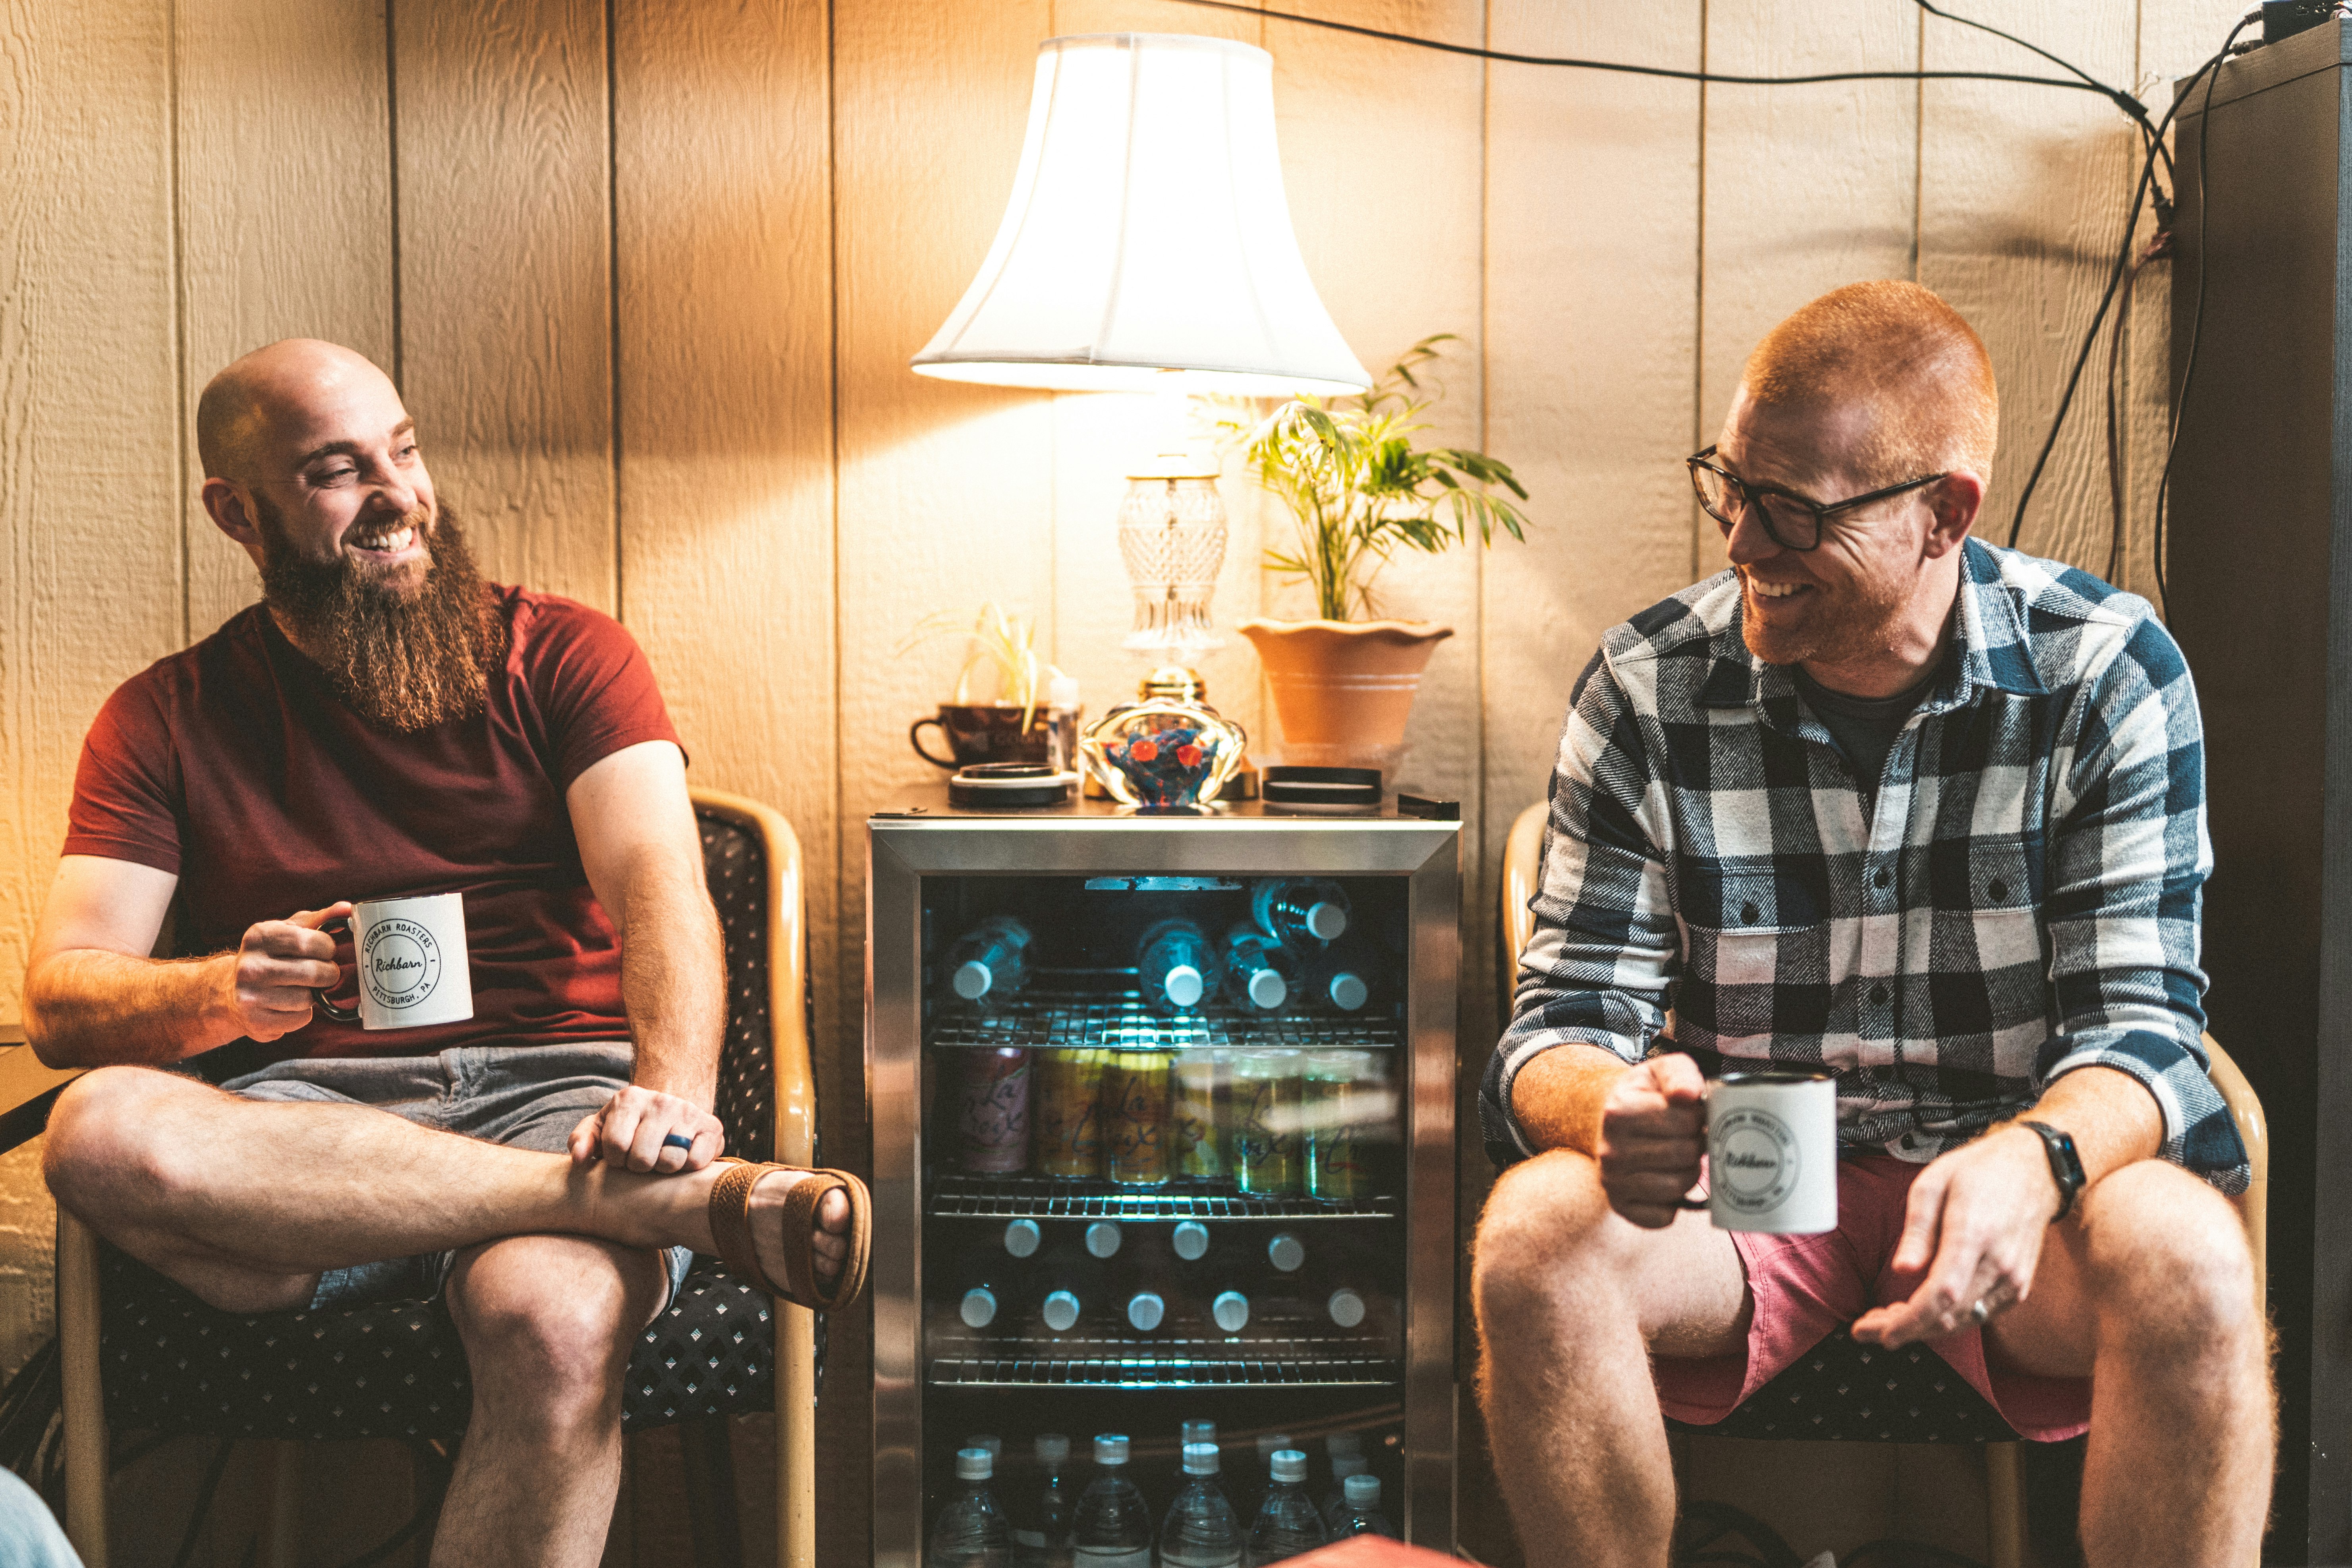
[[1147, 235]]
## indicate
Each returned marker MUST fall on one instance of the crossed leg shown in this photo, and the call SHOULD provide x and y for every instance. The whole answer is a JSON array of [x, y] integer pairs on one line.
[[246, 1203]]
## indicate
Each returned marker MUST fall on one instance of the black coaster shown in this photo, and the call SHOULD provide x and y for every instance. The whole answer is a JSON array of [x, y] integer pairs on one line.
[[989, 786], [1322, 786]]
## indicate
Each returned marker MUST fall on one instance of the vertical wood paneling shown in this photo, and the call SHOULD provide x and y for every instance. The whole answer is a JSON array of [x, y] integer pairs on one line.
[[2020, 208], [505, 250], [285, 207], [722, 211], [90, 571], [1806, 187]]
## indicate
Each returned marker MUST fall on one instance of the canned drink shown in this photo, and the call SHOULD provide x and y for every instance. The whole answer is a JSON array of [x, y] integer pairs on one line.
[[1266, 1109], [1201, 1126], [1338, 1099], [993, 1110], [1066, 1111], [1135, 1118]]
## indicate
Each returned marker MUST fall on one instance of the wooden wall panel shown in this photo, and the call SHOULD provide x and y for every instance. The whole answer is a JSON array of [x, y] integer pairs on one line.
[[1806, 187], [2021, 209], [285, 198], [722, 207], [505, 250]]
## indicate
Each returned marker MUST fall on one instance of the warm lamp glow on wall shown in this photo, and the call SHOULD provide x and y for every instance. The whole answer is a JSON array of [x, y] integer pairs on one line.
[[1148, 248]]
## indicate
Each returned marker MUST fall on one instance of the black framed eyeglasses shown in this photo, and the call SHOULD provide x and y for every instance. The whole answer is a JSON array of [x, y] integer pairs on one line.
[[1794, 522]]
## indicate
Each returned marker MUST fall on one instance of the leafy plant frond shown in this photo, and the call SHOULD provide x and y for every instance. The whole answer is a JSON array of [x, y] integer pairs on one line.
[[1358, 487], [1005, 638]]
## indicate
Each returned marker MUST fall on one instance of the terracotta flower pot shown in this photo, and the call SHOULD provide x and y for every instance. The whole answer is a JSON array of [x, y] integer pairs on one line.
[[1343, 690]]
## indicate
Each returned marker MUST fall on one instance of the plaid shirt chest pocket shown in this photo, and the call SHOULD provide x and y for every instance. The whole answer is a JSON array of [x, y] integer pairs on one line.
[[1756, 953]]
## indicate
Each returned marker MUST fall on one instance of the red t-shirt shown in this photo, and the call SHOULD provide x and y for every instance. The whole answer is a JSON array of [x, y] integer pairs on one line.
[[234, 766]]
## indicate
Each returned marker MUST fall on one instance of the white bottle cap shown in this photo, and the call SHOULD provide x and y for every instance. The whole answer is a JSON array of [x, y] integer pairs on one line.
[[1339, 1443], [1199, 1459], [1102, 1238], [1144, 1310], [974, 1464], [1198, 1431], [1326, 921], [1268, 991], [1349, 991], [1021, 1238], [1190, 1240], [1110, 1449], [1061, 1311], [1184, 985], [1289, 1465], [1345, 1307], [1231, 1311], [1285, 1252], [1062, 691], [1362, 1490], [1052, 1448], [1346, 1465], [972, 980], [979, 1307]]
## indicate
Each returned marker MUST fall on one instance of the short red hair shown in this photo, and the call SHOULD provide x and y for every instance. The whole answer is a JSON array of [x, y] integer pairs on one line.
[[1902, 351]]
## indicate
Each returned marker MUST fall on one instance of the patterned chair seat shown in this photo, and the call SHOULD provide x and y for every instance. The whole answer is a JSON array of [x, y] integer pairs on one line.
[[392, 1369], [1842, 1391]]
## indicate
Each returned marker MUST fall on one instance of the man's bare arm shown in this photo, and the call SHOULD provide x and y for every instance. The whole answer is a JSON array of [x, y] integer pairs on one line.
[[635, 823], [1557, 1095], [1643, 1123], [93, 997]]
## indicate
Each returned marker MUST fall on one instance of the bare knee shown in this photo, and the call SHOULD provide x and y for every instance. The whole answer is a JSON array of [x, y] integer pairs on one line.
[[102, 1149], [548, 1345], [1543, 1239], [2169, 1265]]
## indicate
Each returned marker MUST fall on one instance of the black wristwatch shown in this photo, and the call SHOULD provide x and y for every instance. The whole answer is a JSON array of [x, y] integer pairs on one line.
[[2065, 1165]]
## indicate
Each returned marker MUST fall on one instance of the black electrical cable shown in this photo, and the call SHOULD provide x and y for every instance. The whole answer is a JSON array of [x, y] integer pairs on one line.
[[2195, 318], [2131, 106]]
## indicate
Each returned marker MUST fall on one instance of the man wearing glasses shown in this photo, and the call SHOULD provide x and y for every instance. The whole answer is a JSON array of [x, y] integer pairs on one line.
[[1883, 798]]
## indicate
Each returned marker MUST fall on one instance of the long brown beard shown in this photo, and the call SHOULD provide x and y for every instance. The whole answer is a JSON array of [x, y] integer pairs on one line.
[[403, 655]]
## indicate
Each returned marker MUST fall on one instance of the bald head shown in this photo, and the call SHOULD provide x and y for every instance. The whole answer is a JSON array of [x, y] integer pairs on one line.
[[1903, 360], [274, 389]]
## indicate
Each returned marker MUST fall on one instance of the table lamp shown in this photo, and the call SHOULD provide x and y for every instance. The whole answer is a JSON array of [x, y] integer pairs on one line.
[[1148, 248]]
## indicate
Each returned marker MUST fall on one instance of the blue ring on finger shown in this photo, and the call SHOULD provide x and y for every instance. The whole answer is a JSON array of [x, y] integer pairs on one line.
[[678, 1140]]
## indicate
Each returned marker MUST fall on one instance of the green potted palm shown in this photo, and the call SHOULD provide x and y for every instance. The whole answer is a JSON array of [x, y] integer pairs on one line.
[[1360, 491]]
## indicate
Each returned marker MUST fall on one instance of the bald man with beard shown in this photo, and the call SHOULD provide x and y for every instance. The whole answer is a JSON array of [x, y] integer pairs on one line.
[[1886, 799], [386, 723]]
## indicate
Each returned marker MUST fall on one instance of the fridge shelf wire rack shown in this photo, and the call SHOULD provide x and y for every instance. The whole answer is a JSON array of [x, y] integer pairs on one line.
[[1051, 1018], [1081, 1361], [1044, 1197]]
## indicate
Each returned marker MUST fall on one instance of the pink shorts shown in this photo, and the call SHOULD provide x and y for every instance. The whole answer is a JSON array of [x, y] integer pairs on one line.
[[1807, 1286]]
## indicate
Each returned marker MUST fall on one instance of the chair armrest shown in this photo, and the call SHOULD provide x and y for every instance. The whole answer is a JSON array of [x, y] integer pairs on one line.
[[27, 1088]]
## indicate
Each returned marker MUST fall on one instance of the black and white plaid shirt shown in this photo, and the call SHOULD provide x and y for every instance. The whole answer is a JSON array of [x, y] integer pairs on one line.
[[2022, 902]]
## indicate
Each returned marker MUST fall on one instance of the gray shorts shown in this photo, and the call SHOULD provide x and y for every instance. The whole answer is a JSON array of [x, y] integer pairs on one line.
[[525, 1097]]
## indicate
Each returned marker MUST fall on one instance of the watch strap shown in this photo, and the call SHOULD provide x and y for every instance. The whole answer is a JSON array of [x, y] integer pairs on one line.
[[2065, 1165]]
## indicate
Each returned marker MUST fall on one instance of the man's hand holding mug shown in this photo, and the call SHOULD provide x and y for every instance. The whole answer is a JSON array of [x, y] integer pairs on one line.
[[1653, 1134], [275, 975]]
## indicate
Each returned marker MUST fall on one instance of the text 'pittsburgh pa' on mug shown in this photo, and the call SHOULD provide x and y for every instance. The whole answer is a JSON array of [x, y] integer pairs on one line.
[[1772, 1151], [410, 957]]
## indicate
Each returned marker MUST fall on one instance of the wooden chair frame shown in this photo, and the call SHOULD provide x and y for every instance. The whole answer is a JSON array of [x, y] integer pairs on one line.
[[86, 1439], [2004, 1470]]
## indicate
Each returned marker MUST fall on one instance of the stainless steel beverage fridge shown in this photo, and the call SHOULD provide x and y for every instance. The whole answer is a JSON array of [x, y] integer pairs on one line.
[[1163, 1134]]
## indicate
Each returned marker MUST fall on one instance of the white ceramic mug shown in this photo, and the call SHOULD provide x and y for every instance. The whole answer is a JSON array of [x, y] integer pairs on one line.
[[1772, 1151], [411, 955]]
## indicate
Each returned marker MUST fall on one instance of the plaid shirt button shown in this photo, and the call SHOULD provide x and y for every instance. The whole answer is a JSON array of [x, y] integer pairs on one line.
[[1878, 994], [1885, 877]]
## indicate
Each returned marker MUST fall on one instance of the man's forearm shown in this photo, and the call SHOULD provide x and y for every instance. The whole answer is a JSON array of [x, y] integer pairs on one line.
[[90, 1008], [1557, 1097], [673, 979], [2113, 1119]]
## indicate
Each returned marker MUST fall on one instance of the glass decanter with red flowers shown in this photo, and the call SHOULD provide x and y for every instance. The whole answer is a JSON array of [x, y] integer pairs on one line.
[[1169, 751]]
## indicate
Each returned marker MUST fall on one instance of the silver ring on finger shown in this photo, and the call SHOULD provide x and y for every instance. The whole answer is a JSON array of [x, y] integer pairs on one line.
[[1982, 1310]]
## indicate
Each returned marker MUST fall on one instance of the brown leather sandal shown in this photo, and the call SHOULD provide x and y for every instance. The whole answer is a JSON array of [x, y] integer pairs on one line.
[[730, 1228]]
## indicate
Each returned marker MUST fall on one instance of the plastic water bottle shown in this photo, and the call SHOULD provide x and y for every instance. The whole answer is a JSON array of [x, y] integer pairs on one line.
[[1335, 1502], [1199, 1431], [1293, 908], [1043, 1541], [971, 1531], [1362, 1514], [1260, 973], [1114, 1527], [1201, 1530], [991, 963], [1288, 1522], [1175, 966], [1341, 978]]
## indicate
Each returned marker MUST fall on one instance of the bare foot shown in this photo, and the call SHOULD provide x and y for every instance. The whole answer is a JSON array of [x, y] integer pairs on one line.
[[830, 1237]]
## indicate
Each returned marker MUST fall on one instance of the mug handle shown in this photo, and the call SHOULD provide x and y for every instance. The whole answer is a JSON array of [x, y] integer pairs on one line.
[[1693, 1204], [339, 1014], [915, 739]]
